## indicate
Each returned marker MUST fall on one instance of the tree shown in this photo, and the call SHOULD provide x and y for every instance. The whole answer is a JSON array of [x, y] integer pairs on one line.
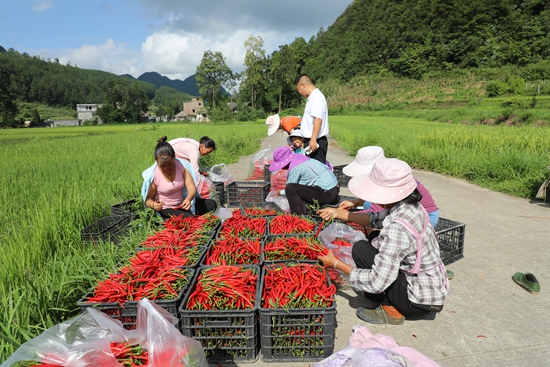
[[254, 60], [282, 70], [8, 102], [126, 100], [211, 75]]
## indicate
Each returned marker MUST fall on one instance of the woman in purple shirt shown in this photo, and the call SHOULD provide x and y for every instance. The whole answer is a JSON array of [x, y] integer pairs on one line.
[[364, 160]]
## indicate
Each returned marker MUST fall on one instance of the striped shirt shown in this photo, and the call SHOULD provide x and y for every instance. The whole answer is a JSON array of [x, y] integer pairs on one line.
[[397, 252], [312, 173]]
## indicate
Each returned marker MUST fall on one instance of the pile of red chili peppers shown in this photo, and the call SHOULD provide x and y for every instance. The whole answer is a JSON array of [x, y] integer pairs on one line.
[[294, 248], [297, 286], [130, 355], [234, 251], [154, 274], [196, 224], [171, 238], [242, 226], [224, 288], [291, 224], [256, 211]]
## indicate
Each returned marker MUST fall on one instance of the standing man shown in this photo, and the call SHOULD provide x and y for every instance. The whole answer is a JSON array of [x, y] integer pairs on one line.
[[191, 150], [314, 125]]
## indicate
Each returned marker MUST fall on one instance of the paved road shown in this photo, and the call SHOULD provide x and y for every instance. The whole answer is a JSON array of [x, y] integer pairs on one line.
[[488, 320]]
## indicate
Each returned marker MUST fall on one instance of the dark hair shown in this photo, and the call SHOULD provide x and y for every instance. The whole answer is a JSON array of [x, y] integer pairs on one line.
[[306, 79], [414, 197], [208, 143], [163, 151]]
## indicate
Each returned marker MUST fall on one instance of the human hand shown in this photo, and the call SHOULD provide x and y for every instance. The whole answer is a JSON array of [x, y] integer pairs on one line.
[[328, 213], [313, 146], [186, 204], [329, 259], [346, 205], [157, 205]]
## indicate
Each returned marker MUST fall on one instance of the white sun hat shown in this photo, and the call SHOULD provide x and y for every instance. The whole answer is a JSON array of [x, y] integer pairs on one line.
[[273, 123], [296, 132], [364, 161]]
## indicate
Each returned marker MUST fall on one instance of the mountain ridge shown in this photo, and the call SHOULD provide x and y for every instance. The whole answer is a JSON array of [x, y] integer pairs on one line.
[[189, 85]]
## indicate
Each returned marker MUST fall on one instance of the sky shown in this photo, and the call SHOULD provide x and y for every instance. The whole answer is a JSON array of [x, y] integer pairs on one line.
[[165, 36]]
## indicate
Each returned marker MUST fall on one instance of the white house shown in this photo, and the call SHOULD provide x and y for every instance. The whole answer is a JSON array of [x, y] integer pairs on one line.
[[86, 111]]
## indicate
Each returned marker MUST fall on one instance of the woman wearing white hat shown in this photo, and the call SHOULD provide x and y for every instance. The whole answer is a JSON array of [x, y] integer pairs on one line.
[[364, 160], [401, 271]]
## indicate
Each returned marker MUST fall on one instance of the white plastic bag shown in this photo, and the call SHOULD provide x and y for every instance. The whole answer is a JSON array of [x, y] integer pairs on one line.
[[342, 231], [84, 341], [220, 173], [257, 165], [282, 201]]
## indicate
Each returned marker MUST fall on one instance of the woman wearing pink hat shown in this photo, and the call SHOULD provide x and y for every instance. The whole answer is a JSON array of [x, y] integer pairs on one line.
[[364, 160], [308, 180], [400, 271]]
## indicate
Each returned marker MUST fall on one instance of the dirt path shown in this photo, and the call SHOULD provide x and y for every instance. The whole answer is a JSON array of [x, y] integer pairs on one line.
[[488, 320]]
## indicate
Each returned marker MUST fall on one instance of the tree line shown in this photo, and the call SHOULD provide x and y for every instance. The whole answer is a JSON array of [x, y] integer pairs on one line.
[[397, 38]]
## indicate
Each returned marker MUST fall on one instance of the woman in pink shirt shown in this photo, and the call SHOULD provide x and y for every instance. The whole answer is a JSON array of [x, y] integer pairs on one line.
[[191, 150], [165, 195]]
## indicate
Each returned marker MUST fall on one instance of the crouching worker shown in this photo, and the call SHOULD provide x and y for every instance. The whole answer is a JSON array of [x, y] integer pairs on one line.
[[400, 271], [308, 180], [169, 185]]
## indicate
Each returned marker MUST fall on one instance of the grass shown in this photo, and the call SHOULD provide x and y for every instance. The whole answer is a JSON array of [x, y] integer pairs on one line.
[[508, 159], [55, 182]]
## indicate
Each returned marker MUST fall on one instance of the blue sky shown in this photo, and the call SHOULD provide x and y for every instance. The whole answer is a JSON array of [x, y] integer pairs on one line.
[[166, 36]]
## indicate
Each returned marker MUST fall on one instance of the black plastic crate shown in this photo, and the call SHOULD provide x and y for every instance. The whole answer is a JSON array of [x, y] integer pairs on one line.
[[220, 189], [247, 192], [112, 309], [342, 179], [450, 235], [128, 315], [227, 336], [266, 205], [129, 208], [296, 334], [105, 229]]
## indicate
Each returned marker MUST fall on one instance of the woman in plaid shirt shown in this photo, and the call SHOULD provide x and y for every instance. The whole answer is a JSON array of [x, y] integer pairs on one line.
[[400, 271]]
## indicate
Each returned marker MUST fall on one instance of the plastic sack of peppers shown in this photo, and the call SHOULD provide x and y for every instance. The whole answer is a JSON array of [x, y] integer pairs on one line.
[[92, 339], [339, 238], [257, 165], [206, 188]]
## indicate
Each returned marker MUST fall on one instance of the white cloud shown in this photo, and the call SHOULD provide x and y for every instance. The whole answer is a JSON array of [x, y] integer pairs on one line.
[[188, 29], [109, 56], [42, 6]]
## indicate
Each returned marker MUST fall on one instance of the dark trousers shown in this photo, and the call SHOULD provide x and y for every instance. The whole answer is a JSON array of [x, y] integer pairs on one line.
[[395, 295], [321, 153], [299, 195], [202, 206]]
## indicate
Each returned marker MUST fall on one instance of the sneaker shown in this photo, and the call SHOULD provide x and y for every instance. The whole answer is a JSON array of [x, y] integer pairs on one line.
[[378, 316]]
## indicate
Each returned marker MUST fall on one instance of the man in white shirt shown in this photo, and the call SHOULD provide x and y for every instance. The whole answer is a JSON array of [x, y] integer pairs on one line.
[[314, 125]]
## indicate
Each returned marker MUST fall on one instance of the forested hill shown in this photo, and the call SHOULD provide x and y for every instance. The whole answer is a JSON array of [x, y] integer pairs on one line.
[[48, 82], [189, 85], [411, 37]]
